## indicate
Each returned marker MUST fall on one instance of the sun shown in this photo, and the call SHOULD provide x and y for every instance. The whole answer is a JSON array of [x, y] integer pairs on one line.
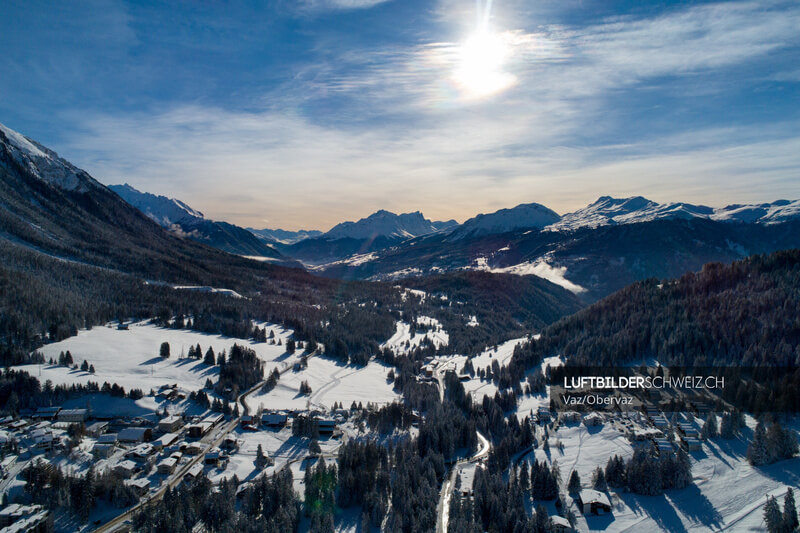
[[481, 58]]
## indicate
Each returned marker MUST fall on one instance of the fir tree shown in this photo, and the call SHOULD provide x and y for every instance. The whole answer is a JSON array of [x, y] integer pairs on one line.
[[164, 350], [574, 485], [599, 480], [772, 516], [790, 521]]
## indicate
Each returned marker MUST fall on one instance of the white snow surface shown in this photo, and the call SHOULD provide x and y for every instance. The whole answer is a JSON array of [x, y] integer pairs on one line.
[[131, 358], [165, 211], [611, 211], [522, 216], [402, 334], [727, 493], [45, 164], [330, 381], [539, 267]]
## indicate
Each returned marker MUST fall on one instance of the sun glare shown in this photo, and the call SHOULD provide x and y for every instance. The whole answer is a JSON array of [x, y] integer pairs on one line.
[[480, 69]]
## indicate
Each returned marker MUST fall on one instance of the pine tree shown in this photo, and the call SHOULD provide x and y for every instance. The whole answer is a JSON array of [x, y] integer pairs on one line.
[[790, 522], [709, 430], [209, 358], [757, 453], [314, 448], [85, 366], [772, 516], [599, 480], [164, 350], [261, 459], [574, 485]]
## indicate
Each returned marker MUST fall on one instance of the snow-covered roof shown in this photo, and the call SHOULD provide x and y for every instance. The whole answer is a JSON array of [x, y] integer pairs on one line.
[[594, 496]]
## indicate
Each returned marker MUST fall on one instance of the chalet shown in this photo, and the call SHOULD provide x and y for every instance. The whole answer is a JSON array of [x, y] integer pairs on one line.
[[197, 431], [570, 416], [249, 421], [194, 472], [230, 443], [194, 448], [167, 466], [688, 430], [164, 440], [73, 415], [43, 443], [216, 458], [96, 429], [663, 446], [46, 413], [543, 415], [326, 426], [141, 452], [16, 518], [559, 524], [593, 419], [126, 468], [103, 451], [593, 501], [170, 424], [139, 486], [693, 444], [135, 435], [108, 438], [274, 419]]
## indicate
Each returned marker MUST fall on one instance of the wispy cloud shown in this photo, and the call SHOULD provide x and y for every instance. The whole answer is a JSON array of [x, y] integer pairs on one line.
[[385, 126]]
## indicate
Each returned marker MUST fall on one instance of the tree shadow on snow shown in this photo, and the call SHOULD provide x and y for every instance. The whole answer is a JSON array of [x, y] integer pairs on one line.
[[693, 504], [656, 507]]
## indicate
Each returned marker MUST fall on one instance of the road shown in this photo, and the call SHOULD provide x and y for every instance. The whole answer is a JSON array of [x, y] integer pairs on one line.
[[213, 439], [443, 507]]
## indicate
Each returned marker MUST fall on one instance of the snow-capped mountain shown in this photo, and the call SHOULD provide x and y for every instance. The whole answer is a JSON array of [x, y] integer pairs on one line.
[[182, 220], [523, 216], [383, 224], [282, 236], [769, 213], [165, 211], [613, 211], [375, 232], [44, 163]]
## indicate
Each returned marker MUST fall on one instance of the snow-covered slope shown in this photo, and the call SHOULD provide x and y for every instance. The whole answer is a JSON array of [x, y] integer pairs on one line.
[[43, 163], [182, 220], [165, 211], [611, 211], [771, 213], [524, 216], [383, 224]]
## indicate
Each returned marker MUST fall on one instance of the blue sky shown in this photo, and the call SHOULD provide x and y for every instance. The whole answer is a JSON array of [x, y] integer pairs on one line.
[[305, 113]]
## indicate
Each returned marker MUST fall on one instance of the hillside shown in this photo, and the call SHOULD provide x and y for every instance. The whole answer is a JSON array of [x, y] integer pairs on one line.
[[741, 314], [179, 218], [76, 255]]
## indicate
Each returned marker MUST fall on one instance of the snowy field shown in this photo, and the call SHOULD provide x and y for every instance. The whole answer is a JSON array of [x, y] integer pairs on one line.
[[402, 341], [131, 359], [727, 494], [330, 381]]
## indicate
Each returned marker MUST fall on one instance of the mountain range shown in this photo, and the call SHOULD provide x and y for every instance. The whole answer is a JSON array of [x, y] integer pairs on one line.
[[591, 252], [181, 219]]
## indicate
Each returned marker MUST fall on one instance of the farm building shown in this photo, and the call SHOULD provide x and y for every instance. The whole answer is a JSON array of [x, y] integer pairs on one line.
[[593, 501], [135, 435], [170, 424], [73, 415]]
